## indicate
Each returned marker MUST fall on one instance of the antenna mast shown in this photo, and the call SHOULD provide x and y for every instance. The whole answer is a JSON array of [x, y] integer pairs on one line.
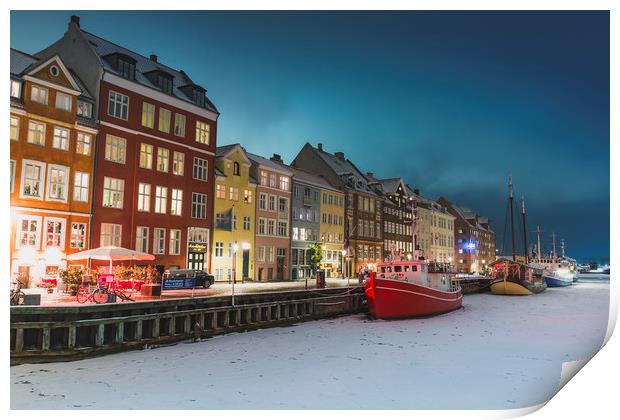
[[563, 248], [538, 233], [554, 253], [512, 217], [527, 255]]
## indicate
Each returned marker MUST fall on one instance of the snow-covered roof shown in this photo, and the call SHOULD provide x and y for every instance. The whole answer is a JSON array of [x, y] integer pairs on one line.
[[20, 61], [306, 177], [268, 163], [346, 170]]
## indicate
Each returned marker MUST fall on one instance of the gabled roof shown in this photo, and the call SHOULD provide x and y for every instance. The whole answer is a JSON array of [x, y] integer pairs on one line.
[[224, 151], [20, 61], [102, 47], [268, 163], [305, 177]]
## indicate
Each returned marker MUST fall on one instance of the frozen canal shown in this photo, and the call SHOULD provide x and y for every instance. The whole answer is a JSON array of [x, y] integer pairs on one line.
[[496, 352]]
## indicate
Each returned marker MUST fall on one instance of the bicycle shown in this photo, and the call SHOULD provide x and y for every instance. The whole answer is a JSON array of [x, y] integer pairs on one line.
[[17, 296], [97, 295]]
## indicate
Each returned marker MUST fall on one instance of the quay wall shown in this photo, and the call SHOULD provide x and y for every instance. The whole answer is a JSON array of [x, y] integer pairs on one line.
[[60, 333]]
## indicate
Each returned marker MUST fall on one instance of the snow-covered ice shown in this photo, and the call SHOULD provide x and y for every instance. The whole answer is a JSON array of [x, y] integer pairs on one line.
[[496, 352]]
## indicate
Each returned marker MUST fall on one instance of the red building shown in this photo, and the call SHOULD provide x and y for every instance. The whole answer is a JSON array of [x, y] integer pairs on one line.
[[154, 158]]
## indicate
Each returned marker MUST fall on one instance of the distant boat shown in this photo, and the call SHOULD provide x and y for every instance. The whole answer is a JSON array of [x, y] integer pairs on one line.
[[513, 278], [403, 289]]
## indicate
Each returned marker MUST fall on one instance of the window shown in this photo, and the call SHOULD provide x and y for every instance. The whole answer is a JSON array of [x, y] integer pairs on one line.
[[161, 196], [126, 68], [148, 114], [176, 202], [174, 248], [159, 241], [271, 255], [246, 222], [80, 186], [282, 229], [261, 226], [16, 89], [178, 163], [58, 179], [261, 253], [118, 105], [38, 94], [29, 231], [263, 178], [84, 109], [113, 192], [32, 179], [283, 206], [200, 169], [247, 196], [284, 183], [54, 232], [144, 197], [164, 120], [84, 144], [272, 203], [202, 132], [36, 133], [234, 193], [199, 206], [179, 125], [219, 249], [262, 201], [61, 138], [271, 227], [146, 156], [78, 235], [63, 101], [162, 159], [272, 180], [236, 168], [220, 191], [12, 175], [110, 234], [142, 239], [14, 128], [115, 148]]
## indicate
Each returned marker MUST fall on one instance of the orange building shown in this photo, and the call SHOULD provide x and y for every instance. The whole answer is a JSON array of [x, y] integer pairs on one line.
[[53, 133]]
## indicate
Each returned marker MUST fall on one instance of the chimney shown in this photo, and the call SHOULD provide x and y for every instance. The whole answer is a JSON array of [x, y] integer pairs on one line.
[[153, 57], [370, 174], [276, 158], [320, 147], [76, 20], [416, 191], [339, 155]]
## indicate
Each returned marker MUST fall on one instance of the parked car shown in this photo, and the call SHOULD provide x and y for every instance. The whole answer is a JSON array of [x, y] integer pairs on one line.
[[202, 278]]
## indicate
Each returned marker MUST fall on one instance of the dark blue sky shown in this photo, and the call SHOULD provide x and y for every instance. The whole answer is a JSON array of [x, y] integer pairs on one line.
[[451, 101]]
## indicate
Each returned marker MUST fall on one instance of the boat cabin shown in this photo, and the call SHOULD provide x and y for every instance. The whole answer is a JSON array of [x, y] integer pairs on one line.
[[420, 272]]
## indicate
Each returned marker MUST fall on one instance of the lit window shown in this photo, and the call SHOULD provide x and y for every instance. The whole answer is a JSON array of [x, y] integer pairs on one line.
[[16, 89], [263, 178], [84, 109], [78, 235], [161, 196], [115, 148], [146, 156], [179, 125], [220, 191], [63, 101], [234, 193], [247, 196], [142, 239], [14, 128], [272, 180], [159, 241], [110, 234], [61, 138], [57, 182], [32, 179], [162, 159], [80, 186], [178, 163], [284, 183], [246, 222], [36, 133], [54, 232], [219, 249], [176, 202], [174, 247], [200, 169], [199, 206], [148, 114], [38, 94], [29, 231], [118, 105], [84, 144], [164, 120], [202, 132], [113, 190], [144, 197]]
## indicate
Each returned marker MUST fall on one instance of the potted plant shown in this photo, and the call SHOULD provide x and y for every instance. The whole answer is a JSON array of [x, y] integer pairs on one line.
[[72, 277], [50, 288], [152, 285]]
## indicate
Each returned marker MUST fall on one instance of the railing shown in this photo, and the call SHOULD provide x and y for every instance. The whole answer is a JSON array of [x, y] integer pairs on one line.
[[55, 334]]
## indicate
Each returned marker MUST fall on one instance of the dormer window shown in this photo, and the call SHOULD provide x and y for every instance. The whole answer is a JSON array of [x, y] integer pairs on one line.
[[16, 89], [161, 79], [84, 109], [123, 64], [198, 97]]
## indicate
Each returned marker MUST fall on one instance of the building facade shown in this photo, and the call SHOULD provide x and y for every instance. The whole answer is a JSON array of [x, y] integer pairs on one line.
[[474, 239], [154, 179], [363, 224], [52, 140], [273, 217], [332, 231], [441, 247], [235, 215]]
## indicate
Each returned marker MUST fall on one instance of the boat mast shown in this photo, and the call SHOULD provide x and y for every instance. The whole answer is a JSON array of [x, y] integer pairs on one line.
[[527, 255], [538, 234], [562, 248], [554, 254], [512, 218]]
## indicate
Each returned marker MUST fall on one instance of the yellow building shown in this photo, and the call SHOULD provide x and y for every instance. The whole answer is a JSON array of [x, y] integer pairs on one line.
[[332, 231], [441, 234], [234, 208]]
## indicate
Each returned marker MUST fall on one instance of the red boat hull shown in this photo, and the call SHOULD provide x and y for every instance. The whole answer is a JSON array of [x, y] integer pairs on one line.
[[397, 299]]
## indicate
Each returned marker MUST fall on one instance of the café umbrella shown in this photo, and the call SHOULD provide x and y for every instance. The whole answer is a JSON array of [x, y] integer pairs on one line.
[[111, 253]]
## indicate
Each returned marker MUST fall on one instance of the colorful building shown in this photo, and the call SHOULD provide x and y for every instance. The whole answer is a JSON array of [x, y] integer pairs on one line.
[[53, 135], [442, 234], [235, 215], [332, 231], [155, 155], [273, 217]]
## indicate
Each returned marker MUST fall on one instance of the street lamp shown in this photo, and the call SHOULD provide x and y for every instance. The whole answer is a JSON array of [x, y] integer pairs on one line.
[[344, 259], [235, 248]]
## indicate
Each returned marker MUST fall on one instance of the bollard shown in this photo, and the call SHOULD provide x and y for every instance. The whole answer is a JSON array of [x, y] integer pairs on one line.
[[197, 331]]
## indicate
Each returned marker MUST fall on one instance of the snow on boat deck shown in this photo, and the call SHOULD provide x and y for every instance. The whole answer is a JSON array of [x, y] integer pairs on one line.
[[496, 352]]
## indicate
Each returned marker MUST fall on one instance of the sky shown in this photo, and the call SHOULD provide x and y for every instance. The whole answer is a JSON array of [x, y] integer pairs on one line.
[[452, 102]]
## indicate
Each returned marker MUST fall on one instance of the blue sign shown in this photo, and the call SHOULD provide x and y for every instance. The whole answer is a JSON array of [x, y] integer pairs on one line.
[[182, 283]]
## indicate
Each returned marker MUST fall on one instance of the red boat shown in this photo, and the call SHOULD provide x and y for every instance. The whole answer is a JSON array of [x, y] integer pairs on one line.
[[403, 289]]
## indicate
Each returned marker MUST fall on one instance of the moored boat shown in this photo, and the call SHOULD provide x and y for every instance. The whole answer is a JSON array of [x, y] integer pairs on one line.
[[403, 289], [513, 278]]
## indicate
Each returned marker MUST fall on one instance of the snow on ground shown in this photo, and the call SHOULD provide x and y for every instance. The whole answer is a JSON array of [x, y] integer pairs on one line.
[[496, 352]]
